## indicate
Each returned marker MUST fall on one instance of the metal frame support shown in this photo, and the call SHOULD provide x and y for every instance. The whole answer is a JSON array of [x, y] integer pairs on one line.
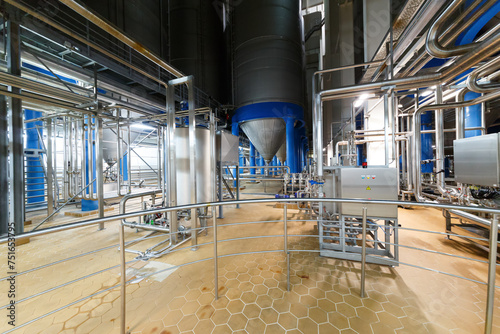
[[100, 169], [16, 146], [363, 254], [285, 245], [237, 185]]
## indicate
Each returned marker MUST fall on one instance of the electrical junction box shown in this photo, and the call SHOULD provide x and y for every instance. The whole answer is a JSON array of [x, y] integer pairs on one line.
[[377, 183], [477, 160]]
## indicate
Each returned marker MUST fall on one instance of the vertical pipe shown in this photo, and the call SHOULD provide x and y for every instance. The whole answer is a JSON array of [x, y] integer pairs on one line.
[[213, 156], [363, 254], [158, 155], [171, 162], [285, 246], [50, 169], [129, 156], [123, 280], [440, 138], [492, 266], [16, 154], [386, 128], [237, 185], [100, 169], [459, 115], [192, 161], [118, 153], [65, 158], [4, 165], [216, 262], [83, 165]]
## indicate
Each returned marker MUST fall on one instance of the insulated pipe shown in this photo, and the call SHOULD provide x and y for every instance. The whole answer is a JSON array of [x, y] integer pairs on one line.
[[420, 61], [432, 45], [480, 72], [416, 137], [481, 51]]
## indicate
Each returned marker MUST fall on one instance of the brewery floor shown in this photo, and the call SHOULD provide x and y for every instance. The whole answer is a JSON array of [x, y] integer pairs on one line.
[[324, 296]]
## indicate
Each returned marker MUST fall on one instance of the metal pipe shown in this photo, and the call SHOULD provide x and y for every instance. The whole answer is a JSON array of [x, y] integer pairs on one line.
[[472, 217], [216, 263], [480, 72], [123, 281], [432, 45], [363, 253], [439, 121], [416, 132], [455, 28], [492, 269], [480, 52]]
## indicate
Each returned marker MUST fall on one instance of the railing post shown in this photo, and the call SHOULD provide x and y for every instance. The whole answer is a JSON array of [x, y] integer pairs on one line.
[[216, 265], [285, 237], [123, 291], [237, 185], [363, 254], [492, 266]]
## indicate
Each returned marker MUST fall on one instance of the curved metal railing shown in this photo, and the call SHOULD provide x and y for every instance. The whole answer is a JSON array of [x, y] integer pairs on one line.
[[493, 242]]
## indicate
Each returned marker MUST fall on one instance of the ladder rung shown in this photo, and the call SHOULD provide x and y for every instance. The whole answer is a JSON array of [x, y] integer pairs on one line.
[[33, 177], [35, 196], [31, 190]]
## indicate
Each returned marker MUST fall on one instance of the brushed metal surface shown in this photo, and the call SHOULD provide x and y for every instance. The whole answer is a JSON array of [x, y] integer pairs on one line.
[[267, 134], [369, 183], [203, 169], [477, 160], [281, 155]]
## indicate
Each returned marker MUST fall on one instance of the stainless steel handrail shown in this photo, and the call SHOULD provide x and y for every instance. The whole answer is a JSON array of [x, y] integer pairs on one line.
[[493, 241]]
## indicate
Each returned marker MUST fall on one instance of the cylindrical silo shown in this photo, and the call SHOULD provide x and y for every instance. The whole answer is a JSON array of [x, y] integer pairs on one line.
[[204, 173], [268, 72], [197, 44]]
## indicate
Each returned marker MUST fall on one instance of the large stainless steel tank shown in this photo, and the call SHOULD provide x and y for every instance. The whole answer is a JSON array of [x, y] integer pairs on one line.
[[268, 52], [204, 189], [197, 44]]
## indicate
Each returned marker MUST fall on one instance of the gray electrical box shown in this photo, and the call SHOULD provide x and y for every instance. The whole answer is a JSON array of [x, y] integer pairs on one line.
[[365, 183], [376, 183], [477, 160]]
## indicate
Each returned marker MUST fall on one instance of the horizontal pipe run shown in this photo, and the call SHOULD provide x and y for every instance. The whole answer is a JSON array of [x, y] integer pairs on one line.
[[471, 217]]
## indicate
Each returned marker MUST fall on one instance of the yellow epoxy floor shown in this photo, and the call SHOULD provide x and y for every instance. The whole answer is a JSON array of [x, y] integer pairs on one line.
[[324, 297]]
